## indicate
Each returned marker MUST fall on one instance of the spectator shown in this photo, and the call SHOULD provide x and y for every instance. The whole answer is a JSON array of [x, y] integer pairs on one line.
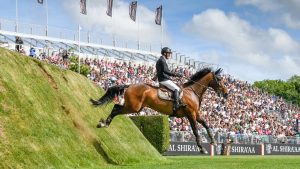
[[65, 57], [19, 43], [32, 52]]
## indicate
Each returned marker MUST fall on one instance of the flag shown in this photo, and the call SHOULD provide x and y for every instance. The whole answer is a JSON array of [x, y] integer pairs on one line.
[[132, 10], [83, 7], [109, 7], [40, 1], [158, 15]]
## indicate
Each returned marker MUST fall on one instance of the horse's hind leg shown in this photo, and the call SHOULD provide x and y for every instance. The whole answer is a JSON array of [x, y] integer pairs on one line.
[[209, 132], [117, 109], [195, 131]]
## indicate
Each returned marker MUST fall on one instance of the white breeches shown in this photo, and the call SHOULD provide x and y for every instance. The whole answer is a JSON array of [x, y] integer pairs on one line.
[[171, 85]]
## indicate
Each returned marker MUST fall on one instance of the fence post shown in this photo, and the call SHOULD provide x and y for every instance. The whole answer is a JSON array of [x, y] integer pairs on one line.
[[46, 30], [212, 150]]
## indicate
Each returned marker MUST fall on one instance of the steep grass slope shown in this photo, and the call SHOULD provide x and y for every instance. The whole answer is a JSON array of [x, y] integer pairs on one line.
[[46, 120]]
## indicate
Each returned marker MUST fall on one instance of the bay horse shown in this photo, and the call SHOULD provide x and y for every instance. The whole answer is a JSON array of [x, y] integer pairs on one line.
[[140, 95]]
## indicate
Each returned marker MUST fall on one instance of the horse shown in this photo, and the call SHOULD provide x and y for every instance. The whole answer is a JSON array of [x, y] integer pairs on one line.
[[140, 95]]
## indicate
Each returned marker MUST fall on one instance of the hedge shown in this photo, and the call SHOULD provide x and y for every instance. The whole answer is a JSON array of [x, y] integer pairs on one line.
[[155, 129]]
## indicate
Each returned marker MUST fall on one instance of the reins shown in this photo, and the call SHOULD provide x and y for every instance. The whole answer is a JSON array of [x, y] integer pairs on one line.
[[198, 84]]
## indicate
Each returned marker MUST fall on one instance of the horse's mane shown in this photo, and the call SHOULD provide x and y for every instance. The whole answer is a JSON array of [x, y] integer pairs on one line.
[[198, 75]]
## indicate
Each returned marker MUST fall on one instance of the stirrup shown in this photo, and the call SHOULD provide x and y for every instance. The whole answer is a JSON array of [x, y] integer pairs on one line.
[[177, 108], [181, 104]]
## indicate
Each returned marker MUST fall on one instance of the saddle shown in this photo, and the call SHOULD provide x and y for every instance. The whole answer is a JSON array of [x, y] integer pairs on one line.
[[166, 94]]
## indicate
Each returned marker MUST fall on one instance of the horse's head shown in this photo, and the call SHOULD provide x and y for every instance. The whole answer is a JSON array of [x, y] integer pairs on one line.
[[218, 85], [207, 78]]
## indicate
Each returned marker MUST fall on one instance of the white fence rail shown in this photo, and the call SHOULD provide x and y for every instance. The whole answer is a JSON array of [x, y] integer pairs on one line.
[[187, 136]]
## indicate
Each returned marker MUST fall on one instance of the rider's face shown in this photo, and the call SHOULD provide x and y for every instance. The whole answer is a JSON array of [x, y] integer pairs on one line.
[[168, 55]]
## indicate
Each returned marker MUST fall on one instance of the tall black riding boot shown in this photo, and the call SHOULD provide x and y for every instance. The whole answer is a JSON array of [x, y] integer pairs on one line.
[[176, 102]]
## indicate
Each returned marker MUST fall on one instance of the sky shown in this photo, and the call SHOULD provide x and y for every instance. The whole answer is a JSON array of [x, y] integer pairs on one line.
[[251, 40]]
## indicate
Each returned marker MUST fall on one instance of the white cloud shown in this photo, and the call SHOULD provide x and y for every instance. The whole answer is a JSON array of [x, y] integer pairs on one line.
[[120, 25], [290, 21], [281, 42], [265, 5], [271, 51], [288, 10], [211, 56]]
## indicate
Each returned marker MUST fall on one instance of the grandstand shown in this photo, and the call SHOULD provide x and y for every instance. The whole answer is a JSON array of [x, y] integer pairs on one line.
[[56, 39]]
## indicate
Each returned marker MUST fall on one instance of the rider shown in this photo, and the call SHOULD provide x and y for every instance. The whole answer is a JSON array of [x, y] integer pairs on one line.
[[163, 76]]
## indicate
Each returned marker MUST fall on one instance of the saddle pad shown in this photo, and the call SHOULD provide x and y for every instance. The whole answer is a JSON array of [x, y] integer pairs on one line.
[[167, 95]]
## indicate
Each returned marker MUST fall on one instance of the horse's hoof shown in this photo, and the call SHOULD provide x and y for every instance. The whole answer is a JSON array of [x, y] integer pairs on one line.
[[203, 151], [94, 102], [102, 120], [101, 125]]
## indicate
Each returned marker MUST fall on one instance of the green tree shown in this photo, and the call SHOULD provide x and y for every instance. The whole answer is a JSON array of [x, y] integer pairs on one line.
[[84, 69], [289, 90]]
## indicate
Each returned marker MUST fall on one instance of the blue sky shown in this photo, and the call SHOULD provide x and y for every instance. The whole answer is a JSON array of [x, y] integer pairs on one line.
[[251, 39]]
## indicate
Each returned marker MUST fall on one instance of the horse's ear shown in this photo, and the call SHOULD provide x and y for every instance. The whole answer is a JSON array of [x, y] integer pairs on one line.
[[218, 71]]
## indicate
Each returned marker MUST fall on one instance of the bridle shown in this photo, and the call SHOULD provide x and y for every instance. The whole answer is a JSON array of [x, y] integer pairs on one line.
[[206, 87]]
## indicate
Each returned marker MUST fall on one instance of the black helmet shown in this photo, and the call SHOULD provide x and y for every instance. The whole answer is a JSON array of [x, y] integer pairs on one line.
[[166, 50]]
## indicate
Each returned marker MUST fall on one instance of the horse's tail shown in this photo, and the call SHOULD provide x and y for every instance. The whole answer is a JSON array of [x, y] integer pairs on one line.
[[110, 94]]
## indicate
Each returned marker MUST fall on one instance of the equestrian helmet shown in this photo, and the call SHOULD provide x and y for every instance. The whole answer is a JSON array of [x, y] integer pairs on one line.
[[166, 50]]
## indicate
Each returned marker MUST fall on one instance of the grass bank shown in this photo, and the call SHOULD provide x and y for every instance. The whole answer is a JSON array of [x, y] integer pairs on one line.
[[46, 121]]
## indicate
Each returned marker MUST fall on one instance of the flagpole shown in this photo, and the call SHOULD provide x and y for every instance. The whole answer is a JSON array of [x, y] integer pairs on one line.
[[114, 27], [138, 22], [109, 13], [161, 33], [17, 29], [46, 17], [138, 35], [79, 48], [161, 28]]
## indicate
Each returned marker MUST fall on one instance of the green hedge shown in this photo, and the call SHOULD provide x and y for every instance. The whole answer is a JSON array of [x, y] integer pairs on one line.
[[155, 129]]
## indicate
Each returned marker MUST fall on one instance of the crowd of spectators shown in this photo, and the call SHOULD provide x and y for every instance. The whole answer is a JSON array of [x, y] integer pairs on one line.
[[107, 73], [248, 111]]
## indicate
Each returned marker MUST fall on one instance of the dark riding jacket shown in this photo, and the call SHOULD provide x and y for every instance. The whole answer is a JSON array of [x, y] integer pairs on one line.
[[162, 70]]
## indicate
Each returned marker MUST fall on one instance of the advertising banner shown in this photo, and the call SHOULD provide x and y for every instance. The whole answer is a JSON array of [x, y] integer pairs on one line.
[[240, 149], [186, 148], [191, 148], [282, 149]]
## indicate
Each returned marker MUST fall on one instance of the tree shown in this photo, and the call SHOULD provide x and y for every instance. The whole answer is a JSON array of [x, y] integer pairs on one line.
[[289, 90], [84, 69]]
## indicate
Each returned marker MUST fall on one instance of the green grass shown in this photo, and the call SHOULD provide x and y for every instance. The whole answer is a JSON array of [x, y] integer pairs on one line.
[[46, 121], [221, 162]]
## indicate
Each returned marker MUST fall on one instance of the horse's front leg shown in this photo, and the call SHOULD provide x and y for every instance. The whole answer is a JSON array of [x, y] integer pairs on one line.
[[208, 130], [117, 109], [195, 131]]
